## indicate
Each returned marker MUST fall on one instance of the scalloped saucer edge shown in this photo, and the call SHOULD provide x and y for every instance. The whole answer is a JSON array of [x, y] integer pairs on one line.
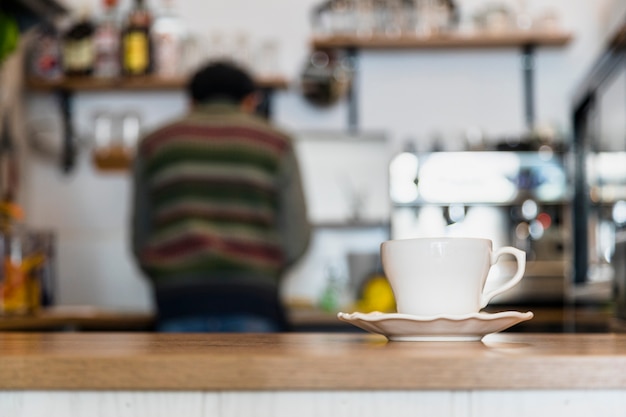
[[406, 327]]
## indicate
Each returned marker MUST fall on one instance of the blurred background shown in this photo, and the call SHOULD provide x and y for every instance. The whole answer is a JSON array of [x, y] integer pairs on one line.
[[411, 118]]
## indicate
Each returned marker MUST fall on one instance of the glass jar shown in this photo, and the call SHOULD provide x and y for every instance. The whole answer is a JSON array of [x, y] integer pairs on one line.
[[17, 292], [27, 274]]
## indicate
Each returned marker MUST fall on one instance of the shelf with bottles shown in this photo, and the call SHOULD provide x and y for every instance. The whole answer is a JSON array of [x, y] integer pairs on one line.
[[146, 48], [433, 24], [451, 40]]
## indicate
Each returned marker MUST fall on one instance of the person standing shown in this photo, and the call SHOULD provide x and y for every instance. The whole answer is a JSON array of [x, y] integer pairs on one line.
[[219, 212]]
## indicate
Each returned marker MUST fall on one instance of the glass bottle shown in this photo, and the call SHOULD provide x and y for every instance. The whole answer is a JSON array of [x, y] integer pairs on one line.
[[107, 43], [136, 42], [45, 56], [169, 36], [78, 46], [18, 293]]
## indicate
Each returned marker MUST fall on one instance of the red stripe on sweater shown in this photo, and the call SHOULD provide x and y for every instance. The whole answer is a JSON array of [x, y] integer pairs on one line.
[[191, 244], [211, 133], [256, 217], [204, 180]]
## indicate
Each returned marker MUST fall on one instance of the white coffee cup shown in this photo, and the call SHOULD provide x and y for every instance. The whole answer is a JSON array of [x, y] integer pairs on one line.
[[444, 275]]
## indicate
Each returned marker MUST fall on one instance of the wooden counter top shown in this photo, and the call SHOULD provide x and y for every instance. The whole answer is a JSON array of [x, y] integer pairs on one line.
[[307, 361]]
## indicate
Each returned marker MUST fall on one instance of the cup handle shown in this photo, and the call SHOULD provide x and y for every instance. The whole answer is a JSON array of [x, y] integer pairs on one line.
[[520, 257]]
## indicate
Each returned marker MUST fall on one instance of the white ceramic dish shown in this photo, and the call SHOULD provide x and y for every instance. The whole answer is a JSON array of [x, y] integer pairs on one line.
[[405, 327]]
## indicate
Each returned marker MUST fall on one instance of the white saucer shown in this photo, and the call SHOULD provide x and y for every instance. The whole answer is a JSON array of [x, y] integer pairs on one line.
[[405, 327]]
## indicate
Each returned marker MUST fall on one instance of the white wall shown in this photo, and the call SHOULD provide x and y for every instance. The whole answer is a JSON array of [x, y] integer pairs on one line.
[[406, 94]]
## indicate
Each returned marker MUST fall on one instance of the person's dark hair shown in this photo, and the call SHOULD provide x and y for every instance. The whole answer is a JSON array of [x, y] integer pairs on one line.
[[219, 81]]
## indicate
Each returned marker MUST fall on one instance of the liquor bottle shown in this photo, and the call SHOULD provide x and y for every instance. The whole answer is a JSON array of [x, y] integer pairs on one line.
[[107, 43], [45, 56], [78, 46], [169, 36], [136, 42], [14, 283], [14, 286]]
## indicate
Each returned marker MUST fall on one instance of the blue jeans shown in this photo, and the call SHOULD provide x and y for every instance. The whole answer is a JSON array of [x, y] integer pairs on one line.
[[236, 323]]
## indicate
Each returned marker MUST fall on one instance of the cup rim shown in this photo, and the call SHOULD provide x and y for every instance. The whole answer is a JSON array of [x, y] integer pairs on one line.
[[437, 239]]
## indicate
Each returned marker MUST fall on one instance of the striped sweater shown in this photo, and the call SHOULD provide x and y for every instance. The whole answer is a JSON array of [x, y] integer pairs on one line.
[[217, 192]]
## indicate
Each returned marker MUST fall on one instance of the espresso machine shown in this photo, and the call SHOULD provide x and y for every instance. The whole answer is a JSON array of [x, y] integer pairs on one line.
[[514, 198]]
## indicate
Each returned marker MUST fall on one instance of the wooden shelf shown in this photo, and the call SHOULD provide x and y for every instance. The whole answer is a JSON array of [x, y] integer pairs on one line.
[[451, 40], [75, 84]]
